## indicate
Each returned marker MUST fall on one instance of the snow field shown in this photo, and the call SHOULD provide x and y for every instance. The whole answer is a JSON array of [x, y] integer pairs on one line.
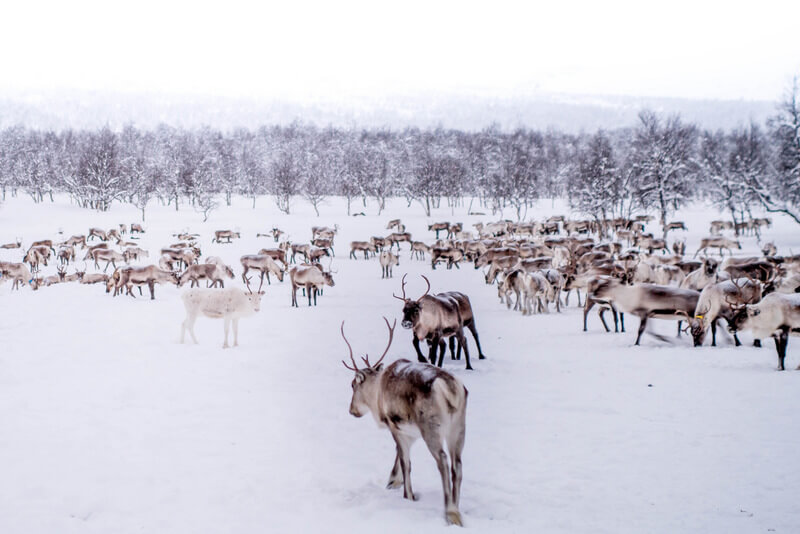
[[110, 425]]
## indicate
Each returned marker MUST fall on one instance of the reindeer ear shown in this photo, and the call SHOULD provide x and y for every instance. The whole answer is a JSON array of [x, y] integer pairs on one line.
[[360, 377], [378, 367]]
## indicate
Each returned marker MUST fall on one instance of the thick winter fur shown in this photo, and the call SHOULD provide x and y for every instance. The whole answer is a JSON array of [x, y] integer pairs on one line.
[[229, 304], [778, 315], [649, 300], [414, 400]]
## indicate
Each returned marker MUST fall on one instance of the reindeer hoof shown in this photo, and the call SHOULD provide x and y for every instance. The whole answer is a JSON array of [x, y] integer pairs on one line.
[[481, 357], [453, 517], [394, 484]]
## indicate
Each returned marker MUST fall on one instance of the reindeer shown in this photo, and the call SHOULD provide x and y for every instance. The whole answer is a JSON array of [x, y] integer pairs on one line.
[[127, 277], [719, 243], [721, 301], [433, 318], [262, 263], [679, 247], [777, 316], [184, 257], [703, 276], [388, 260], [111, 257], [418, 249], [16, 244], [228, 304], [94, 248], [35, 256], [439, 227], [378, 243], [717, 227], [98, 233], [453, 230], [277, 254], [19, 273], [411, 400], [276, 234], [362, 246], [300, 249], [134, 253], [94, 278], [225, 234], [311, 278], [315, 254], [66, 253], [44, 243], [55, 278], [324, 243], [394, 223], [649, 300], [675, 225], [137, 228], [208, 271], [397, 237], [453, 256], [769, 249]]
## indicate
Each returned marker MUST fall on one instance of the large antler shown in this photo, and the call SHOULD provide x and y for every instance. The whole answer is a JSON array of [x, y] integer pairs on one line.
[[739, 303], [403, 287], [355, 366], [427, 290], [391, 336]]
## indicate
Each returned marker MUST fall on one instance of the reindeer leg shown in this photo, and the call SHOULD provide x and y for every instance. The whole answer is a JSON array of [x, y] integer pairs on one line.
[[189, 325], [679, 328], [227, 327], [453, 349], [642, 325], [471, 326], [714, 334], [781, 342], [396, 476], [235, 332], [433, 347], [462, 341], [151, 285], [455, 444], [442, 348], [403, 443], [433, 440], [588, 305], [420, 357]]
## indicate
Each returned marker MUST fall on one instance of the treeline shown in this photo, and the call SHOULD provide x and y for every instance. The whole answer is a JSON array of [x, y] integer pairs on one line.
[[659, 165]]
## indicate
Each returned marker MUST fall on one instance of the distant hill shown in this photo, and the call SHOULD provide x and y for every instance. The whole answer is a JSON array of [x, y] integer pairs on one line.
[[570, 113]]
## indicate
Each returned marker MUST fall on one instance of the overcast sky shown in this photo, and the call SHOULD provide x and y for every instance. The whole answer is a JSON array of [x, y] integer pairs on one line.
[[344, 49]]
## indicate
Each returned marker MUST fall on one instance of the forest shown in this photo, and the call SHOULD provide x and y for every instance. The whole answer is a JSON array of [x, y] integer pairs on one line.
[[658, 165]]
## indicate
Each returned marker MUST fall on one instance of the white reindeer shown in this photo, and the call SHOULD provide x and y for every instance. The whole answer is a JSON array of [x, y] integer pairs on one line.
[[230, 304]]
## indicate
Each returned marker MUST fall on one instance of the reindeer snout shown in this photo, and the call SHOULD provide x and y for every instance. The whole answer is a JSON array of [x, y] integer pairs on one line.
[[407, 324], [354, 411]]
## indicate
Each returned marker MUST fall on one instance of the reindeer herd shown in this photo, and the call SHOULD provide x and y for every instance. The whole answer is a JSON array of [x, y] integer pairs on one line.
[[536, 266]]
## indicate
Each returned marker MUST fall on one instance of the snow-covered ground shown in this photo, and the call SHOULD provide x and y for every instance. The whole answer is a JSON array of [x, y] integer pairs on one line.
[[109, 425]]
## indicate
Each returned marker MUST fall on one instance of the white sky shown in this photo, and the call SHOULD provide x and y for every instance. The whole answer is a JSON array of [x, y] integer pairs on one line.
[[342, 49]]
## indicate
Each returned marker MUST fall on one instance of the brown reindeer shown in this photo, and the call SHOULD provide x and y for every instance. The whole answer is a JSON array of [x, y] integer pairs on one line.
[[411, 400], [262, 263], [15, 244], [312, 278], [433, 318], [361, 246], [219, 235]]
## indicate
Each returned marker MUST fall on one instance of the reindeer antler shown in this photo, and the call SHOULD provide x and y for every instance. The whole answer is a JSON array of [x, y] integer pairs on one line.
[[355, 366], [391, 336], [403, 287], [427, 290]]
